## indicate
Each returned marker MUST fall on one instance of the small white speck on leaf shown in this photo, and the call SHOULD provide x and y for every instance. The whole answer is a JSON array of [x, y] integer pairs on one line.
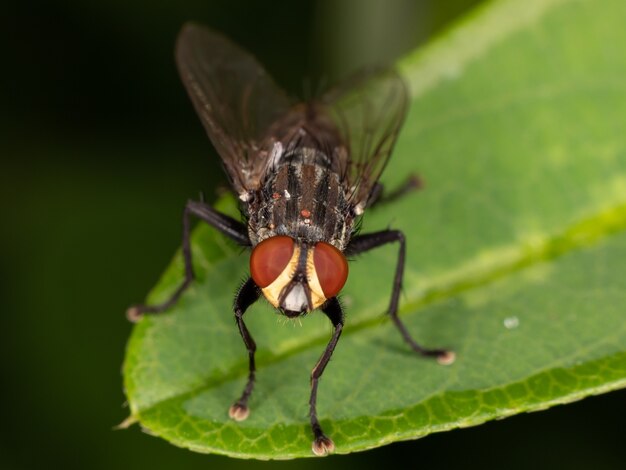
[[511, 323]]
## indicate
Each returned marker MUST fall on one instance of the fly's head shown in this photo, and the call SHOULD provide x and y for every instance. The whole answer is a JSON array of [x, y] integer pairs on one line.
[[297, 277]]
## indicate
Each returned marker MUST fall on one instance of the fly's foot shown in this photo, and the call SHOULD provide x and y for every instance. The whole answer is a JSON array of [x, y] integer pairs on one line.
[[413, 182], [134, 313], [445, 358], [239, 412], [323, 445]]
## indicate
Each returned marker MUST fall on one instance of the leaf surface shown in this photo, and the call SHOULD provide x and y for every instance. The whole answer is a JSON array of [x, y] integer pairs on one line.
[[515, 259]]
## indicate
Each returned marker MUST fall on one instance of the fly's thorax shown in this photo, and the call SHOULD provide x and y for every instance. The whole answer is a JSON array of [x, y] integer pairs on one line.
[[297, 277], [303, 197]]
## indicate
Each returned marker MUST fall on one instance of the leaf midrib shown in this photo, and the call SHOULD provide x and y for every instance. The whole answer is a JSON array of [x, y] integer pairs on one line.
[[579, 235]]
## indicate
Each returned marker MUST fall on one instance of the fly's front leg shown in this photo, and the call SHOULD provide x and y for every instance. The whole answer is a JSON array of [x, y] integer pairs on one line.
[[322, 444], [225, 224], [246, 296], [363, 243]]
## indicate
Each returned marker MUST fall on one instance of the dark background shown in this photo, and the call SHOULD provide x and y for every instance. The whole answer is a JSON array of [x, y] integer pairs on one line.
[[100, 149]]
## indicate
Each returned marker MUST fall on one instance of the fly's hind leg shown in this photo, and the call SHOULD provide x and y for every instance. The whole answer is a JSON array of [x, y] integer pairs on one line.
[[225, 224], [379, 196]]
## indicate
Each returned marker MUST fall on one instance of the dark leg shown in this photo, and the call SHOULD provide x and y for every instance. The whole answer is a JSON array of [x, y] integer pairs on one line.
[[363, 243], [378, 196], [322, 444], [225, 224], [247, 295]]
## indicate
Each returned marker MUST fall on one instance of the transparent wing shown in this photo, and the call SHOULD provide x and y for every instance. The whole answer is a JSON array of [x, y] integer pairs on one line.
[[368, 111], [235, 98]]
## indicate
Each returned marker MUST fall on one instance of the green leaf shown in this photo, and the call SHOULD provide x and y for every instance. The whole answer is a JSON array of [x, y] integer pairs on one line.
[[515, 259]]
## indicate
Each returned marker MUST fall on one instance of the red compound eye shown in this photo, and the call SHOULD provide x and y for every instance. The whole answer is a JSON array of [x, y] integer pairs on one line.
[[269, 258], [331, 268]]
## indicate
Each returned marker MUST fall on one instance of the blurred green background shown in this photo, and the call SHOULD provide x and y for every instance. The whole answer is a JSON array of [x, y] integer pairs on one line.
[[100, 150]]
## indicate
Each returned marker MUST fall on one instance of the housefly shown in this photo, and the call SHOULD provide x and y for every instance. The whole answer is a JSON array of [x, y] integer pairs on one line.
[[303, 173]]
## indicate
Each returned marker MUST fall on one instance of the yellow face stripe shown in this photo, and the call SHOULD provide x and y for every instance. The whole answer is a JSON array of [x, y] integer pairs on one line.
[[317, 294], [273, 291]]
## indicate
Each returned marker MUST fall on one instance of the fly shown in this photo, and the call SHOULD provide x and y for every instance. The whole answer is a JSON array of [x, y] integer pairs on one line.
[[303, 173]]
